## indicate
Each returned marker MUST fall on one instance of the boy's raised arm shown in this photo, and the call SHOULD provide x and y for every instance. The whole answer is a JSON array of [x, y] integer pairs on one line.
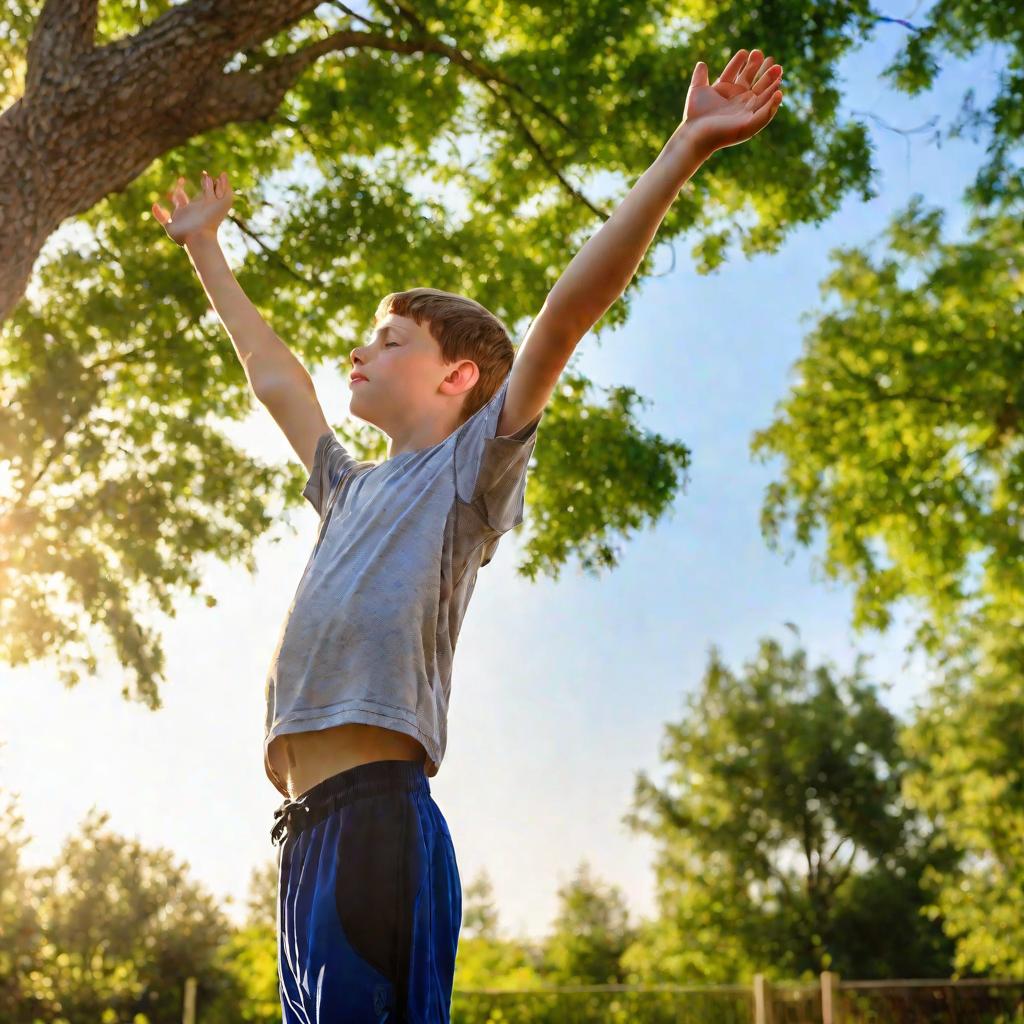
[[193, 224], [276, 376], [268, 362], [737, 105]]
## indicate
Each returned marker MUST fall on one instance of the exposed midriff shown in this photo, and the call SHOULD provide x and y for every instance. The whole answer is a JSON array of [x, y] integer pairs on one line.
[[302, 759]]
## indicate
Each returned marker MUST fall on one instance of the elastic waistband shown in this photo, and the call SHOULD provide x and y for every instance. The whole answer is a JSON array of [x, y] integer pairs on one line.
[[370, 779]]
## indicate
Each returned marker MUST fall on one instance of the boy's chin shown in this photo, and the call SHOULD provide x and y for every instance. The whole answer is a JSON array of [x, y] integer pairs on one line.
[[362, 411]]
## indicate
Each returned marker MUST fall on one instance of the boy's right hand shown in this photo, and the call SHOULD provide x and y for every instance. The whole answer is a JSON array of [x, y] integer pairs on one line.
[[197, 216]]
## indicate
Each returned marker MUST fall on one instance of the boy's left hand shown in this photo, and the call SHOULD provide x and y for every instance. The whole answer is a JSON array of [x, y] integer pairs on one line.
[[736, 106]]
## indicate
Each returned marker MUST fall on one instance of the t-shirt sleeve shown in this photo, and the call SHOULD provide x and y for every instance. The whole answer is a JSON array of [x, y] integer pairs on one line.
[[331, 464], [490, 469]]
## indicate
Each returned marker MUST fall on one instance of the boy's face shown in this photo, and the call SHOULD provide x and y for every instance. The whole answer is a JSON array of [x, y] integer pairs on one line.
[[403, 370]]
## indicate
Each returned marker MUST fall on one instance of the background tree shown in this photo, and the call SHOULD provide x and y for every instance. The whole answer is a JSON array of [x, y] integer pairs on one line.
[[487, 959], [479, 910], [261, 900], [590, 933], [902, 438], [25, 992], [118, 478], [780, 820], [968, 741], [248, 958], [124, 928], [902, 442], [111, 930], [955, 28]]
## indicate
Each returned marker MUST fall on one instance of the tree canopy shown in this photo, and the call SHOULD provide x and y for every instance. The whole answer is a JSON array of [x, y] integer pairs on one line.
[[785, 845], [901, 436], [590, 933]]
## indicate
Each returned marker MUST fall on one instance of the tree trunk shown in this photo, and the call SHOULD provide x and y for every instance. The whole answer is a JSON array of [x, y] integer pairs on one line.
[[93, 118]]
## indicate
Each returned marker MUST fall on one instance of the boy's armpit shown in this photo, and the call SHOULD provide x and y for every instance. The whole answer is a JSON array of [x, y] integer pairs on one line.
[[491, 470], [331, 464]]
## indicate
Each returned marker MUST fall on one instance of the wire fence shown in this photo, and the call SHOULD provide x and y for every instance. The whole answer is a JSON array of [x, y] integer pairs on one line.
[[828, 1000]]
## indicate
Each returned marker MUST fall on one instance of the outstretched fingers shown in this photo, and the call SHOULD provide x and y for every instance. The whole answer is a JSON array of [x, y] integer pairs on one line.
[[765, 106], [772, 76], [736, 64], [178, 195]]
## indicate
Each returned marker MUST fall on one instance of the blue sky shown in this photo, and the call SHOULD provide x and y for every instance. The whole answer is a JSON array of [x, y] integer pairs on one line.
[[560, 689]]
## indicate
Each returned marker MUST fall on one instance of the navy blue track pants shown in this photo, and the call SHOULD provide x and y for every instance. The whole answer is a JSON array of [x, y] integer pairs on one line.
[[369, 900]]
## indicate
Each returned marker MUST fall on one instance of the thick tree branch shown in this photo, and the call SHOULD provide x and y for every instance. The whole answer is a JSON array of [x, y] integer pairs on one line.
[[210, 28], [812, 881], [486, 76], [481, 71], [254, 95], [65, 30], [92, 125]]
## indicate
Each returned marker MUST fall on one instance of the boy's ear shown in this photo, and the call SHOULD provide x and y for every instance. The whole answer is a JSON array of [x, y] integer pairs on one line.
[[463, 376]]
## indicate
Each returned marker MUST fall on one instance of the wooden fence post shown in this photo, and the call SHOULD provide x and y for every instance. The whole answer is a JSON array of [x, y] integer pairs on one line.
[[762, 1000], [830, 998], [189, 1014]]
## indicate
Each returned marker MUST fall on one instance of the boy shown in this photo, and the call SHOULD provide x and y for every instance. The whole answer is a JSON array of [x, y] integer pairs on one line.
[[369, 896]]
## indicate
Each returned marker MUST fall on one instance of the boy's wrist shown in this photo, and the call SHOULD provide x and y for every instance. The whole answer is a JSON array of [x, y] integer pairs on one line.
[[685, 149], [201, 240]]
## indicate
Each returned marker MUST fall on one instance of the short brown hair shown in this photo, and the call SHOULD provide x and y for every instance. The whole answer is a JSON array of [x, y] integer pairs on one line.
[[464, 329]]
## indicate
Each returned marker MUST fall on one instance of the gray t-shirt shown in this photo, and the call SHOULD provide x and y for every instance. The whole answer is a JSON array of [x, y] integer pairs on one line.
[[370, 634]]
